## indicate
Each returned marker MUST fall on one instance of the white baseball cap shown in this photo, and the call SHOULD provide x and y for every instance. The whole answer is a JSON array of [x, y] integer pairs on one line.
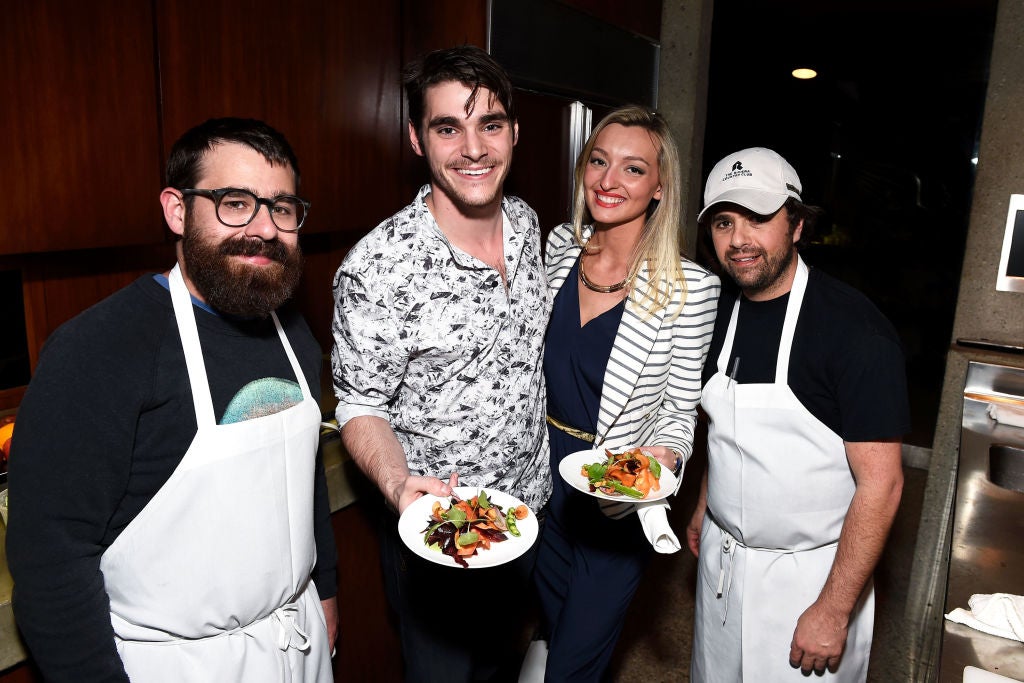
[[757, 179]]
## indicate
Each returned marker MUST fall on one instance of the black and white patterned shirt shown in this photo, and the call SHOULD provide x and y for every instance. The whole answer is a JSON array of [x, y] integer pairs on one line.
[[428, 338]]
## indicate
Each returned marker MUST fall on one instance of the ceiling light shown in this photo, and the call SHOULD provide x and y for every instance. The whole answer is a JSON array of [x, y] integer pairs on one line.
[[804, 73]]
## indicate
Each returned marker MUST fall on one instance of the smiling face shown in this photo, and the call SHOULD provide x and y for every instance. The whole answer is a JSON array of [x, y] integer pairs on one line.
[[469, 154], [247, 271], [758, 252], [621, 176]]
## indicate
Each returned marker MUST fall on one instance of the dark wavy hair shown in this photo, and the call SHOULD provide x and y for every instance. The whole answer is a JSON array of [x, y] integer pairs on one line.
[[467, 64], [185, 162]]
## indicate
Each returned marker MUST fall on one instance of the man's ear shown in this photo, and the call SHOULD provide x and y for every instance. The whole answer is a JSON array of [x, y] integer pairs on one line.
[[174, 210], [414, 140], [515, 133], [798, 230]]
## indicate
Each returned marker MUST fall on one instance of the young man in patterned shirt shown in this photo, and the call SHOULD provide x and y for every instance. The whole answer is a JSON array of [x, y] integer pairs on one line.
[[439, 324]]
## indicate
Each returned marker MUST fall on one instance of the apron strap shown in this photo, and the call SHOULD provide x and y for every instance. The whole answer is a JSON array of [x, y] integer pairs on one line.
[[286, 631], [189, 333], [730, 334], [728, 548], [796, 298], [300, 376]]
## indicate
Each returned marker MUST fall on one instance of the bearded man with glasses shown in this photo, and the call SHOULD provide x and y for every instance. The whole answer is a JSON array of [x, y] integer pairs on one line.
[[177, 526]]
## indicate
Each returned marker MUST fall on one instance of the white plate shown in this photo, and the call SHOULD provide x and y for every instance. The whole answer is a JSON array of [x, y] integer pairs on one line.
[[572, 464], [416, 518]]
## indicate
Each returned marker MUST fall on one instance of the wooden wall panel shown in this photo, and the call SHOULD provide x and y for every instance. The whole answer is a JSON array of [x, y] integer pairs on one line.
[[442, 23], [322, 254], [58, 286], [430, 26], [326, 74], [78, 110]]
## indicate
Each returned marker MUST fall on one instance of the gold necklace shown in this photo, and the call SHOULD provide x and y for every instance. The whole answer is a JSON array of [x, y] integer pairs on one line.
[[602, 289]]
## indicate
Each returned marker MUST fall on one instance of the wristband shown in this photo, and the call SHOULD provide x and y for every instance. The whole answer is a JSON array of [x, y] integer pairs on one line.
[[679, 462]]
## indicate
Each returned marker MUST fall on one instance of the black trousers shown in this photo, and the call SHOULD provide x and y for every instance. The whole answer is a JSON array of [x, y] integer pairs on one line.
[[457, 624]]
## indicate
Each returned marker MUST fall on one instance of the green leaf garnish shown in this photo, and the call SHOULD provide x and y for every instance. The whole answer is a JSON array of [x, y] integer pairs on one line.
[[655, 466], [456, 516]]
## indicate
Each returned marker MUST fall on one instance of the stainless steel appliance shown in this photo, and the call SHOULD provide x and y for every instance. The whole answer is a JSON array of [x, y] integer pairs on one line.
[[987, 553]]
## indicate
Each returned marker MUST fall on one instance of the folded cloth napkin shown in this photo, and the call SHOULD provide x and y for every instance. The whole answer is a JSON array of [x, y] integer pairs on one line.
[[534, 663], [654, 520], [973, 674], [1007, 415], [999, 614]]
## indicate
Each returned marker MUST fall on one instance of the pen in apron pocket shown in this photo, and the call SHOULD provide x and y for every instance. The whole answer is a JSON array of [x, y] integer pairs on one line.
[[735, 369]]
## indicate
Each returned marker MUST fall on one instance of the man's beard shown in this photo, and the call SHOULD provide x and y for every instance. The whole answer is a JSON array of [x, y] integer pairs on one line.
[[771, 270], [238, 289]]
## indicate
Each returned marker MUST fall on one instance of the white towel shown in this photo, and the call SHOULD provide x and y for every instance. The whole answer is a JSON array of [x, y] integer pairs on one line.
[[654, 520], [1008, 415], [973, 674], [999, 614], [534, 663]]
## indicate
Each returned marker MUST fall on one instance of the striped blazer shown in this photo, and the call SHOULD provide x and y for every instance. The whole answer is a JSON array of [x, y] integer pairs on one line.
[[653, 379]]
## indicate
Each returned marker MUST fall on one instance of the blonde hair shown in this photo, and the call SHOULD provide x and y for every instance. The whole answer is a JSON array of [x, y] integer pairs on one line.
[[660, 245]]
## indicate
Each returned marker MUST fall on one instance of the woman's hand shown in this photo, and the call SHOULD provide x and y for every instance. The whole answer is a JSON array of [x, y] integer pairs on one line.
[[666, 456]]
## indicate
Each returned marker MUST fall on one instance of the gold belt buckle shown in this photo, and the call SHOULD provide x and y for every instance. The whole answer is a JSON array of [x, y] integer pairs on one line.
[[571, 431]]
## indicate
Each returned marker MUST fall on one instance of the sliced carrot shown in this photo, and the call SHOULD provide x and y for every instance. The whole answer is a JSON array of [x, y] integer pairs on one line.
[[643, 481], [622, 476]]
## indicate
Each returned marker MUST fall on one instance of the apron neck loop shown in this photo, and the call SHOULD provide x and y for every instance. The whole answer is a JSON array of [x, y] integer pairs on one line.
[[189, 331], [796, 297]]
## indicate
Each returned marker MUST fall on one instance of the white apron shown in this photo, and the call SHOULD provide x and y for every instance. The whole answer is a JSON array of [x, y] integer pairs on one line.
[[779, 487], [211, 581]]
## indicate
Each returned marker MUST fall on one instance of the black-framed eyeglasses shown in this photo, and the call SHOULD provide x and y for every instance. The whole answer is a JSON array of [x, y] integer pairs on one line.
[[236, 208]]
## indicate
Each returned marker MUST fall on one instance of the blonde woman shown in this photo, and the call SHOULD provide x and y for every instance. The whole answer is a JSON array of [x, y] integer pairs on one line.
[[630, 328]]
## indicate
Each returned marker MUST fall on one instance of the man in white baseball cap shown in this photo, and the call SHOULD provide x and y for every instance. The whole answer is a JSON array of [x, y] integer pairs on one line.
[[757, 179], [805, 392]]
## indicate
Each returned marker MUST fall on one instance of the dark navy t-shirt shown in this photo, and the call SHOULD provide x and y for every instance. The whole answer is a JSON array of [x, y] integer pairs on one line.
[[847, 365]]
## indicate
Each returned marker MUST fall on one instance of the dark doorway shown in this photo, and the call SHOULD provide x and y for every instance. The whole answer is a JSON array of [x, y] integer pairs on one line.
[[884, 139]]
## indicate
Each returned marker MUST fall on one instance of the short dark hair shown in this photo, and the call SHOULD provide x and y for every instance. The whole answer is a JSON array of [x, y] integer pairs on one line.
[[184, 164], [797, 211], [467, 64]]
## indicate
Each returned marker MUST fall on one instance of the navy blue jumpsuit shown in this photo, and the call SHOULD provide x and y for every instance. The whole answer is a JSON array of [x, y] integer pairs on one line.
[[588, 565]]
